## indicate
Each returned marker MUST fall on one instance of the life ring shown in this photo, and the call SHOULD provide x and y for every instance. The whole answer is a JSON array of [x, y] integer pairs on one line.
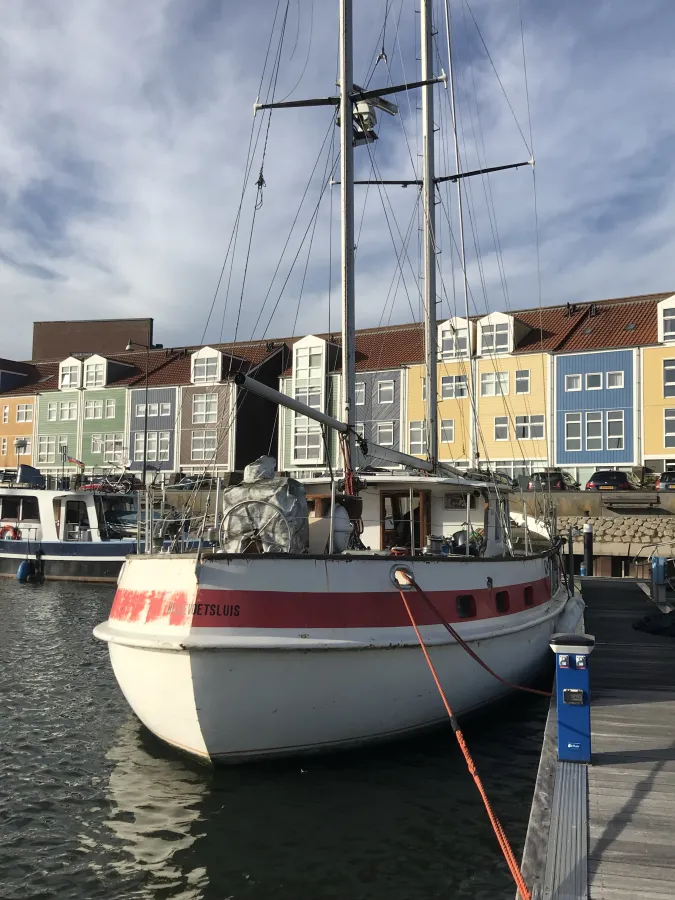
[[12, 531]]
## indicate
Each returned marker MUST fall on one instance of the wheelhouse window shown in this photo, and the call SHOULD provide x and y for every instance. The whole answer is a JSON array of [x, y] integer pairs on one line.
[[447, 431], [572, 432], [418, 438], [494, 384], [204, 409], [494, 338], [385, 391], [501, 428], [572, 382], [453, 387], [522, 381], [615, 430], [94, 374], [360, 393], [614, 380], [454, 343], [203, 444], [594, 431], [384, 434], [594, 381]]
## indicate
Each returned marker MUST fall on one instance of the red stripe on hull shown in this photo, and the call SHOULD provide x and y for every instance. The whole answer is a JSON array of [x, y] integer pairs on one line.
[[217, 608]]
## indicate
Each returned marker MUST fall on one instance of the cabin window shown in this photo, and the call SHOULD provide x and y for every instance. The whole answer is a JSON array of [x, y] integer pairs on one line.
[[30, 509], [466, 606], [10, 507], [502, 601], [528, 595]]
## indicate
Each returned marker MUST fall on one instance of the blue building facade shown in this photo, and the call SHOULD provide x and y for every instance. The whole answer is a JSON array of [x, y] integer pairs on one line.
[[595, 409], [162, 422]]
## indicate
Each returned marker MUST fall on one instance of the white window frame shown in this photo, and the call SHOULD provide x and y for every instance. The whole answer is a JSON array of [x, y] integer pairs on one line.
[[491, 338], [522, 376], [494, 384], [204, 436], [204, 409], [113, 447], [138, 446], [205, 369], [568, 382], [360, 393], [46, 449], [92, 407], [668, 416], [153, 410], [452, 340], [165, 409], [593, 375], [573, 418], [385, 385], [66, 377], [24, 412], [669, 317], [3, 447], [139, 411], [98, 379], [110, 407], [388, 440], [593, 417], [522, 426], [450, 385], [5, 415], [538, 421], [163, 446], [447, 431], [52, 411], [669, 366], [417, 438], [501, 427], [307, 440], [69, 406], [615, 387], [96, 444], [25, 448], [615, 415]]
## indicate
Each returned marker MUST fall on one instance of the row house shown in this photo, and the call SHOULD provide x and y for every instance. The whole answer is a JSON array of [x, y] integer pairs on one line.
[[18, 384]]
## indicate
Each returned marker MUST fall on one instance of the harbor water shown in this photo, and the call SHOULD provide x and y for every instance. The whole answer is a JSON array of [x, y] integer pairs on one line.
[[92, 806]]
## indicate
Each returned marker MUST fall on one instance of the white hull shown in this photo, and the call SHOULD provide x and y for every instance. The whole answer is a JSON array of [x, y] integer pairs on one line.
[[242, 691]]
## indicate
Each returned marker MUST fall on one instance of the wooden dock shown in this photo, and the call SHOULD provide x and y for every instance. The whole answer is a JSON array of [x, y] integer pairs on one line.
[[619, 844]]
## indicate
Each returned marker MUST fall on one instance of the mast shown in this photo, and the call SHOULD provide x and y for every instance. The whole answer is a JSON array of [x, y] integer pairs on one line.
[[347, 221], [429, 212], [473, 417]]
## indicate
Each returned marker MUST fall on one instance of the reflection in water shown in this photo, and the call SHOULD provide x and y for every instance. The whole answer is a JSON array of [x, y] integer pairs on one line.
[[154, 805], [93, 808]]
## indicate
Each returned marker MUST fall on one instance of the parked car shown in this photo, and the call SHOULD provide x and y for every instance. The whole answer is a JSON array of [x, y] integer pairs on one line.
[[552, 479], [665, 482], [609, 481]]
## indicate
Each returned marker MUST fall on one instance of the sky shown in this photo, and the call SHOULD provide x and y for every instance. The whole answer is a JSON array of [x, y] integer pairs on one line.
[[125, 128]]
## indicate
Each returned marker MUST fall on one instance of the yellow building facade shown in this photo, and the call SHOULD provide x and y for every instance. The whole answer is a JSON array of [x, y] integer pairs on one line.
[[17, 415], [658, 409]]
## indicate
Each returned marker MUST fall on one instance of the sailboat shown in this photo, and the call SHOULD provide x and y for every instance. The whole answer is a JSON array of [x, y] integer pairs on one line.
[[274, 643]]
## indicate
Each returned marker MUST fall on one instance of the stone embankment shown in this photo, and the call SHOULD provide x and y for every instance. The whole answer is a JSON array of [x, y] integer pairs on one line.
[[635, 530]]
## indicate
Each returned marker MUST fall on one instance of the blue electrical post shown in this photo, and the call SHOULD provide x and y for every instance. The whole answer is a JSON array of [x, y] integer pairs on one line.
[[573, 696]]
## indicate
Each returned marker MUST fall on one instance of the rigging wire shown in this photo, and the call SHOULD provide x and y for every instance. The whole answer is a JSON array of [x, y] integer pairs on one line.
[[309, 49]]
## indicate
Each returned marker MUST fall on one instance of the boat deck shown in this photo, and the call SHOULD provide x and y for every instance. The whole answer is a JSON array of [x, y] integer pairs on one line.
[[605, 832]]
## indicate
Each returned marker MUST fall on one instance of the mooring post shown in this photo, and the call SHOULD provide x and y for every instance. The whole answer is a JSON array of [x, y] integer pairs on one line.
[[588, 549]]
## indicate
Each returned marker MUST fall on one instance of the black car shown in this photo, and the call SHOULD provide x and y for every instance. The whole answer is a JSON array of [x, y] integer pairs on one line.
[[552, 480], [609, 481]]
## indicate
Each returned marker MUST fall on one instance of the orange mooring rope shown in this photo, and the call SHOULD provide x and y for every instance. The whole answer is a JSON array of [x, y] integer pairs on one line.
[[496, 825]]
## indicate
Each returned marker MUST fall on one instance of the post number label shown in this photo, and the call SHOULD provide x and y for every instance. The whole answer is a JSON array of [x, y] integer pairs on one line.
[[573, 696]]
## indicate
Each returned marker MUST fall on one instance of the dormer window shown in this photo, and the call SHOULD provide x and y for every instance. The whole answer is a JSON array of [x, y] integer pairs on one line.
[[206, 369], [454, 342], [94, 374], [70, 377], [495, 338], [669, 324]]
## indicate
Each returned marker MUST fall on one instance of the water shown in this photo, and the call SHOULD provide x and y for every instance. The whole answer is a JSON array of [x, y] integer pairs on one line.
[[93, 806]]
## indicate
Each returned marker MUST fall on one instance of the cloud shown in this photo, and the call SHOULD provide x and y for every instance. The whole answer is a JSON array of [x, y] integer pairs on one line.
[[125, 133]]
